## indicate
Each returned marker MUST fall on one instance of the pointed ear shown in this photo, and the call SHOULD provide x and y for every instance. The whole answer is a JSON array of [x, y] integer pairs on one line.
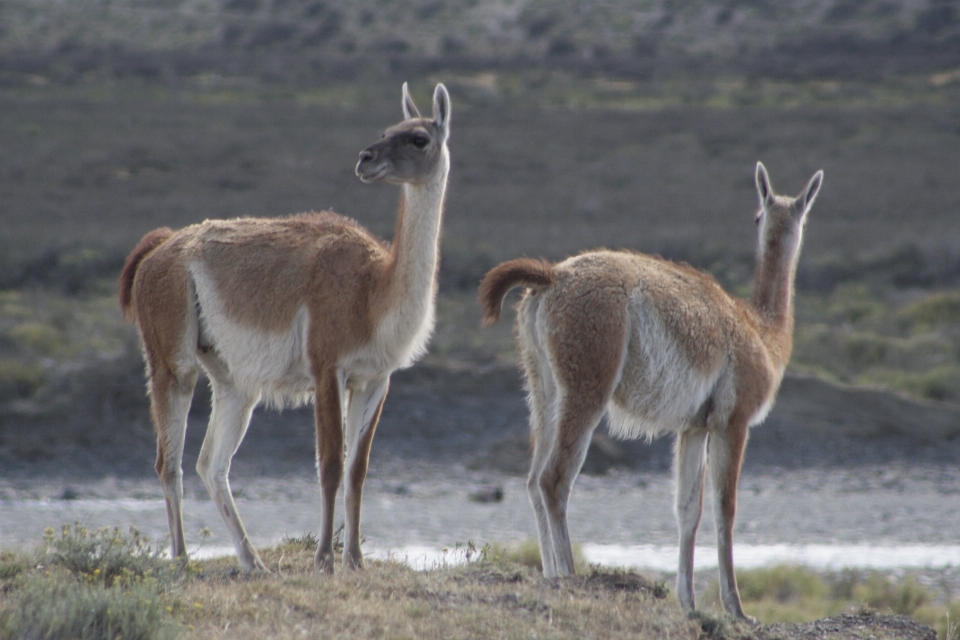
[[409, 109], [810, 192], [441, 110], [764, 190]]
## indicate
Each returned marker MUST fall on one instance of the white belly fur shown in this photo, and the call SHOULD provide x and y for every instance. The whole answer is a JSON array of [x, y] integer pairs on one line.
[[659, 390], [268, 363]]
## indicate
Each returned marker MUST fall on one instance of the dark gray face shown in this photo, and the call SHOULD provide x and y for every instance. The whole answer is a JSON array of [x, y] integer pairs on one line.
[[408, 152]]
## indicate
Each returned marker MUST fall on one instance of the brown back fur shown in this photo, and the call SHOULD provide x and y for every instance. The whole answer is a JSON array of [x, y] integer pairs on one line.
[[321, 258]]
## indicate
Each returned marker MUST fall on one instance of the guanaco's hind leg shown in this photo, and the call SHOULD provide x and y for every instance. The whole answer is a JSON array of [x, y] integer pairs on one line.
[[689, 468], [724, 459], [579, 367], [170, 399], [330, 393], [577, 421], [229, 419], [362, 417], [542, 404]]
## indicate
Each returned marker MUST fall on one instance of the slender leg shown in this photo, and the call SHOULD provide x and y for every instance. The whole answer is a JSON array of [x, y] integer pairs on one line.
[[579, 362], [542, 430], [362, 418], [170, 400], [575, 426], [689, 463], [725, 457], [229, 420], [542, 404], [329, 424]]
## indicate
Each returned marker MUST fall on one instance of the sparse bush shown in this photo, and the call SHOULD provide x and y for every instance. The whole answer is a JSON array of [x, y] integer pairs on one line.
[[35, 337], [783, 583], [934, 311], [859, 336], [527, 553], [88, 586], [946, 620], [882, 593], [12, 565], [48, 608], [843, 582], [854, 304], [19, 379], [309, 542], [785, 593], [798, 594], [939, 383], [103, 556], [306, 542]]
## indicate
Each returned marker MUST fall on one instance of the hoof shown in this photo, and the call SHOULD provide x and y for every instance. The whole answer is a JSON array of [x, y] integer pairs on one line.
[[251, 563], [324, 564]]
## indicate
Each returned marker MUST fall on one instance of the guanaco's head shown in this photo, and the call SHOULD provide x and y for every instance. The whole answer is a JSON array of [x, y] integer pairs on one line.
[[781, 219], [414, 150]]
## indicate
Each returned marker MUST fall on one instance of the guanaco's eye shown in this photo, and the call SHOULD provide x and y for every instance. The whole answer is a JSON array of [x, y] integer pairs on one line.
[[420, 141]]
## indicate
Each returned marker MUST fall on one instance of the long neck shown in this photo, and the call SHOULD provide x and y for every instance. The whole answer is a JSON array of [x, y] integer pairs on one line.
[[416, 244], [773, 295]]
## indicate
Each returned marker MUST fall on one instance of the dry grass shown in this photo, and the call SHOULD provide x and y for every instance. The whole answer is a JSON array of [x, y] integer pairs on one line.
[[62, 590], [485, 599]]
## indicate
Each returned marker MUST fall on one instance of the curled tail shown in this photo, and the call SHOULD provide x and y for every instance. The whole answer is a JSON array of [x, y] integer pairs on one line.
[[147, 244], [506, 276]]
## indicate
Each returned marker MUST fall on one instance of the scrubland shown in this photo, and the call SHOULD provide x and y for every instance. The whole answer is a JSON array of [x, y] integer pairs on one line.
[[574, 127], [107, 584]]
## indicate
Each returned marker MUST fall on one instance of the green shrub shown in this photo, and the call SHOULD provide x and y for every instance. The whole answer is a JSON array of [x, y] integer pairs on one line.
[[527, 553], [103, 556], [308, 542], [799, 594], [864, 337], [902, 598], [865, 350], [19, 379], [944, 619], [854, 304], [35, 337], [46, 607], [934, 311], [783, 583], [12, 564], [939, 383]]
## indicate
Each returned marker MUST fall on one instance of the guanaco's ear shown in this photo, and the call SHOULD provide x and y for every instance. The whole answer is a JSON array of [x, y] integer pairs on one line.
[[810, 192], [441, 110], [409, 109], [764, 190]]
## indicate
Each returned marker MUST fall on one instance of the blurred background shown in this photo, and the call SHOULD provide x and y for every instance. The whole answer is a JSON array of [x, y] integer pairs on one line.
[[576, 124]]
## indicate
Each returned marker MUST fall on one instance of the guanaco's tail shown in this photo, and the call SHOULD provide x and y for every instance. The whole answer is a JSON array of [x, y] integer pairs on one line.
[[147, 244], [506, 276]]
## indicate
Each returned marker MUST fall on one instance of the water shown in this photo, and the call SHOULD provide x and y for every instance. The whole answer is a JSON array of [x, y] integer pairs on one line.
[[821, 557], [824, 519]]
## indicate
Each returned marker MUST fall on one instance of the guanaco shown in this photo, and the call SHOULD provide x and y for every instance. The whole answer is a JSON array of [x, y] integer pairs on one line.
[[658, 347], [289, 310]]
